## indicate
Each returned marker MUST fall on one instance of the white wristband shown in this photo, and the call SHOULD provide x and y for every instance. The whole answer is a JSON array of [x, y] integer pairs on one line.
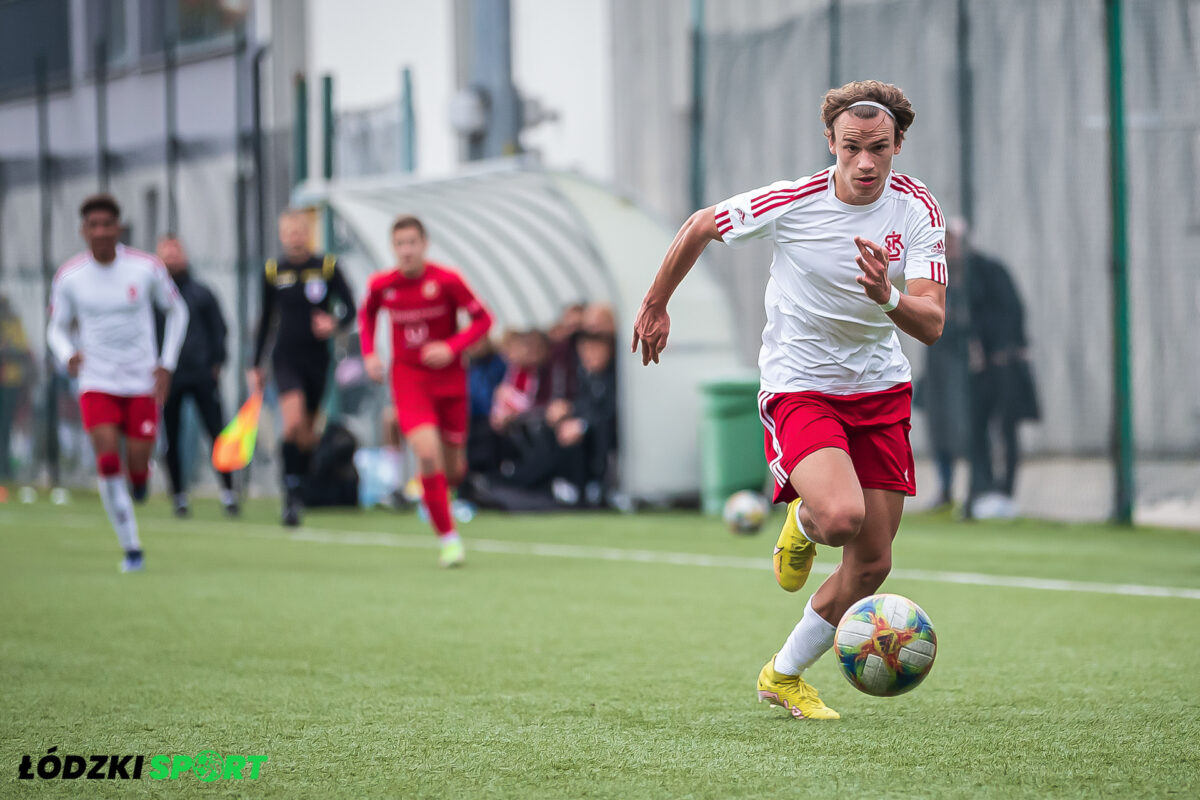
[[893, 300]]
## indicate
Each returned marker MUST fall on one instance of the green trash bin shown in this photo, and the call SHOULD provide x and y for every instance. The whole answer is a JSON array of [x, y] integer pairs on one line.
[[731, 442]]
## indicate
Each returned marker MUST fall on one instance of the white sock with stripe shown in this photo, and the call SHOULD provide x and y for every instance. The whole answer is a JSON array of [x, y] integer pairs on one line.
[[119, 506], [808, 641]]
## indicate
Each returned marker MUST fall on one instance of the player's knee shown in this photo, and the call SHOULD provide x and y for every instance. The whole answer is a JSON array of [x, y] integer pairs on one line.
[[840, 524], [429, 464], [108, 464], [293, 431]]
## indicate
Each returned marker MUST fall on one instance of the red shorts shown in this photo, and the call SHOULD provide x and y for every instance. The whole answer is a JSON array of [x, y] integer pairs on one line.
[[423, 405], [137, 417], [871, 427]]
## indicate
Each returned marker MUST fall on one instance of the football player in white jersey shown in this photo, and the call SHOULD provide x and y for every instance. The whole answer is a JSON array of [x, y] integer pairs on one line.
[[109, 291], [836, 389]]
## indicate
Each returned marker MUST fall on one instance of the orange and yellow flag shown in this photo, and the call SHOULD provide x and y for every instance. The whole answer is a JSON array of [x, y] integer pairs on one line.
[[234, 448]]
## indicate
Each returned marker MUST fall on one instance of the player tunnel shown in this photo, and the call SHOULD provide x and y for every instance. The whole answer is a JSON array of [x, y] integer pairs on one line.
[[532, 241]]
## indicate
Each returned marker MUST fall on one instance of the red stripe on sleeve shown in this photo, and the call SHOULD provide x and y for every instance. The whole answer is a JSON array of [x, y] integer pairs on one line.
[[783, 201]]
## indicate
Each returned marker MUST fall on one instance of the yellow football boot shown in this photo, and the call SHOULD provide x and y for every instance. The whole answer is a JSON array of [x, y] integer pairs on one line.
[[453, 553], [793, 693], [793, 553]]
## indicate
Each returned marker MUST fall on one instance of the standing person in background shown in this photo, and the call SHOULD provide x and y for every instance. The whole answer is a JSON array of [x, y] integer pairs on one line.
[[110, 290], [16, 367], [1002, 391], [299, 290], [198, 373], [942, 391], [429, 381]]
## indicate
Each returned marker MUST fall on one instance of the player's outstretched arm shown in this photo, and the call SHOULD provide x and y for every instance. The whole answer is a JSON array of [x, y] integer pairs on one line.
[[367, 313], [920, 312], [653, 324]]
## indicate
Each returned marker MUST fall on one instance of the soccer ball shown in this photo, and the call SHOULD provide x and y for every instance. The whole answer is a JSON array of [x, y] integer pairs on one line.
[[745, 512], [885, 645]]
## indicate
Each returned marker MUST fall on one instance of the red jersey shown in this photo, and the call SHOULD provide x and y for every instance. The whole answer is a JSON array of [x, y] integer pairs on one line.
[[423, 310]]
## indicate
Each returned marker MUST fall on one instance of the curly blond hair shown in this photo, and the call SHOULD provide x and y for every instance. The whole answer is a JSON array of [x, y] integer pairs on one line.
[[838, 100]]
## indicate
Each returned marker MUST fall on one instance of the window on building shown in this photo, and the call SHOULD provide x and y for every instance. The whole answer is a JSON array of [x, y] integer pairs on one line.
[[193, 24], [106, 22], [30, 29]]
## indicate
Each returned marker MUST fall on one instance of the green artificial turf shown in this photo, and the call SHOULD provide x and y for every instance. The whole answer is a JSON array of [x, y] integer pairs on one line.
[[362, 670]]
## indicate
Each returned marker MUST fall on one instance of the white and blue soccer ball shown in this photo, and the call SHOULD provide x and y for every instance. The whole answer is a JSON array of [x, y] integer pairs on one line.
[[745, 512]]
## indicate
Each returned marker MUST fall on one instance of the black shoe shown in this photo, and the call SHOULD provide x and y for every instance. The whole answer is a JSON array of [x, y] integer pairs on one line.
[[183, 511], [232, 509], [139, 492], [291, 510]]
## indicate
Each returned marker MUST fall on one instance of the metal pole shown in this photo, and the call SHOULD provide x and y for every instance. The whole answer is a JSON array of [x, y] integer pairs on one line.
[[327, 126], [491, 71], [300, 132], [966, 191], [697, 116], [408, 126], [47, 212], [966, 117], [332, 395], [240, 222], [835, 42], [256, 145], [101, 74], [327, 134], [1122, 444], [170, 79]]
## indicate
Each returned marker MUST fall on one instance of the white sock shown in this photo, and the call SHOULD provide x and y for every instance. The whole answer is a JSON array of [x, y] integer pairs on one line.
[[119, 506], [812, 636], [448, 537], [228, 497], [180, 499]]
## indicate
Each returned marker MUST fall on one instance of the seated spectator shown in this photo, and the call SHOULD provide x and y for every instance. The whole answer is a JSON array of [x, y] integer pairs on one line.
[[485, 372], [563, 363], [524, 390], [585, 425]]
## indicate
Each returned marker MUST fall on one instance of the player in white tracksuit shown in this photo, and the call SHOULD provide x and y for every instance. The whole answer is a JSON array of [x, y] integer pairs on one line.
[[108, 293]]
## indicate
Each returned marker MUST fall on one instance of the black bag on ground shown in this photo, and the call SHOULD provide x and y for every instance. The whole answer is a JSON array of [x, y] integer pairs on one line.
[[333, 479]]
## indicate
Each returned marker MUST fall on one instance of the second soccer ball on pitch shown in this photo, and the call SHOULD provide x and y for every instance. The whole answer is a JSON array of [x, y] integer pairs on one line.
[[885, 645], [745, 512]]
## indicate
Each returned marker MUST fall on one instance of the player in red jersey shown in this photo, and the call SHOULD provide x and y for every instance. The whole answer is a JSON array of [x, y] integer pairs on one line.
[[429, 381]]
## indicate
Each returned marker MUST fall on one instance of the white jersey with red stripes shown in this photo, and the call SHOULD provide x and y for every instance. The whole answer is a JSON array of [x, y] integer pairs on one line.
[[823, 333], [113, 306]]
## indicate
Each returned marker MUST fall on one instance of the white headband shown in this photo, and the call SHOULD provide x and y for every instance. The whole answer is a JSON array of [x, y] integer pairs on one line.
[[873, 104]]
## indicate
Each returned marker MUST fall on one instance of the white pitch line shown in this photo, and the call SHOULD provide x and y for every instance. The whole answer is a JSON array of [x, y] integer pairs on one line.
[[331, 536], [328, 536]]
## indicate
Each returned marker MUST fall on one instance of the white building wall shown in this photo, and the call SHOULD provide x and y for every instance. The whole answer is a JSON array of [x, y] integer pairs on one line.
[[562, 55], [364, 45]]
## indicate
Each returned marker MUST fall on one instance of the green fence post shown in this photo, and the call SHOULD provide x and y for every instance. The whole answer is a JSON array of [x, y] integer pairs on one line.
[[1123, 488]]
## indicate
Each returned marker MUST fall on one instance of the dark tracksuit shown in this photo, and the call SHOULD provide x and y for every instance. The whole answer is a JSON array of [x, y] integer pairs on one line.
[[200, 359]]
